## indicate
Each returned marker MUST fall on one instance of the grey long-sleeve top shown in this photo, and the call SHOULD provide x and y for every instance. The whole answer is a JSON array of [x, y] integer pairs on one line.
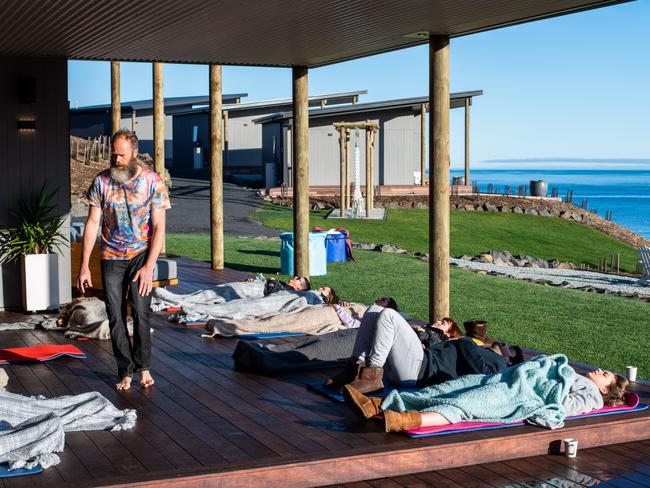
[[583, 397]]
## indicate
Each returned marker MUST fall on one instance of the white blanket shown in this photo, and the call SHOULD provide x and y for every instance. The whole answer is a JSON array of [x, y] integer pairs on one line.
[[32, 428]]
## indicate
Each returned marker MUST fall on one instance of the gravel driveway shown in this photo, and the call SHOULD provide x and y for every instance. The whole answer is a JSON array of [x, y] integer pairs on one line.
[[568, 278]]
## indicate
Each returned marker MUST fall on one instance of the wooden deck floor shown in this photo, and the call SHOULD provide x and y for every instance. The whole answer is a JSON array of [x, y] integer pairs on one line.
[[204, 423]]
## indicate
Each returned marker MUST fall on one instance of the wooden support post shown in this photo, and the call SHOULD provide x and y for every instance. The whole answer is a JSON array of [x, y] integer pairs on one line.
[[300, 171], [467, 141], [159, 125], [342, 192], [368, 176], [423, 142], [116, 108], [216, 169], [225, 138], [347, 168], [133, 120], [438, 177], [372, 169]]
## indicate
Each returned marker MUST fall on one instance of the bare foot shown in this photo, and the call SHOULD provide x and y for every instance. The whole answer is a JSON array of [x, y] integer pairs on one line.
[[145, 379], [125, 384]]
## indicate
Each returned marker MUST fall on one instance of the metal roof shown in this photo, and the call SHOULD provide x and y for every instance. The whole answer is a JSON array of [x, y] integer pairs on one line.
[[170, 102], [314, 101], [253, 32], [456, 100]]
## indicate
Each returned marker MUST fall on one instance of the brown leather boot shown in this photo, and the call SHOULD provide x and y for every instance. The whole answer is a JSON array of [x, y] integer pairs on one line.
[[349, 373], [399, 421], [364, 407], [369, 380]]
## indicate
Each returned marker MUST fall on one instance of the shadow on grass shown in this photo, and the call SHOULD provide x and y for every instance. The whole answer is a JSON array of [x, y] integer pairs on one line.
[[252, 268], [261, 252]]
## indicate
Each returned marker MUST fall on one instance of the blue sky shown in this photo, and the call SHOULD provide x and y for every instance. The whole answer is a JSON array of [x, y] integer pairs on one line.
[[571, 87]]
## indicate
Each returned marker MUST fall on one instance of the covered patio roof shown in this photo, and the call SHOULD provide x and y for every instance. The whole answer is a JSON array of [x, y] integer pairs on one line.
[[281, 33]]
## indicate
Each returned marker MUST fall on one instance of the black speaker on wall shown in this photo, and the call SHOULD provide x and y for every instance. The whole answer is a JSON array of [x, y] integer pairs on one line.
[[26, 89]]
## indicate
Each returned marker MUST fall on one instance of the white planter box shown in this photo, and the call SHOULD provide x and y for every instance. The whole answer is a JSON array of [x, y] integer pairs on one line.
[[40, 282]]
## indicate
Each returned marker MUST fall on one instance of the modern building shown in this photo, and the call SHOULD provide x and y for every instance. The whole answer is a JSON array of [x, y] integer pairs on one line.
[[94, 121], [243, 144], [397, 154]]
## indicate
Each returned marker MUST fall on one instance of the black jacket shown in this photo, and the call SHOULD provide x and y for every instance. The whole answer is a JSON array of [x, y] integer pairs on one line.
[[450, 359], [272, 286]]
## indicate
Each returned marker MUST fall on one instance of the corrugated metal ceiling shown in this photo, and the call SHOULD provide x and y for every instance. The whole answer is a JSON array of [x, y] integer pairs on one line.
[[250, 32]]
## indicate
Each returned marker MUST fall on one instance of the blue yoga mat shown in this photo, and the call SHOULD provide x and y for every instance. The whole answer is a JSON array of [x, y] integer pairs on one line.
[[270, 335], [336, 396], [6, 473]]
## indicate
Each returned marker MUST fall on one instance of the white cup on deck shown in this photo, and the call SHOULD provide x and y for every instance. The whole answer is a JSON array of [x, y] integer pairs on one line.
[[630, 373], [570, 447]]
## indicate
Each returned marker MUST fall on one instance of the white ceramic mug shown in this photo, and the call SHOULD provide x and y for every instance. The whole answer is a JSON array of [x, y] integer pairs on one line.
[[630, 373], [570, 447]]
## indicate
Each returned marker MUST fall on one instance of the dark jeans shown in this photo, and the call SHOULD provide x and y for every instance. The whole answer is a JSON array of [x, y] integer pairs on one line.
[[116, 280]]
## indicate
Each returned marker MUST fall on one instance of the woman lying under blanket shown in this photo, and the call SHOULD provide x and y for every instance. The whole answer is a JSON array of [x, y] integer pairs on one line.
[[203, 306], [542, 391], [386, 342], [250, 289], [313, 320]]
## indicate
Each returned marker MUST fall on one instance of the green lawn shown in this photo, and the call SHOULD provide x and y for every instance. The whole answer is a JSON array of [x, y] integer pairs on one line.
[[473, 233], [596, 329]]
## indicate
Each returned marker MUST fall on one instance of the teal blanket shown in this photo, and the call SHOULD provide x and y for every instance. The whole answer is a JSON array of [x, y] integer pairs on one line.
[[532, 390]]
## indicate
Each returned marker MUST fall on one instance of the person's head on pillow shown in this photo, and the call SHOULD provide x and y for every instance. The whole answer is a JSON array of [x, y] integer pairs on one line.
[[299, 283], [612, 386], [448, 327], [328, 295]]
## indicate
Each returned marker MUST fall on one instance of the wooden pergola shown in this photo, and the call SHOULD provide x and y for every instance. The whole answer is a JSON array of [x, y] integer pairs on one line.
[[300, 35], [343, 129]]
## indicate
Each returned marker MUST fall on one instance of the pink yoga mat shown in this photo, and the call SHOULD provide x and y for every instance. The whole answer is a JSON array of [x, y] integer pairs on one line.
[[44, 352], [631, 402]]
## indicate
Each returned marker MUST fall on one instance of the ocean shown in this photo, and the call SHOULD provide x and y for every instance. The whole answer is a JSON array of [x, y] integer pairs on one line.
[[625, 192]]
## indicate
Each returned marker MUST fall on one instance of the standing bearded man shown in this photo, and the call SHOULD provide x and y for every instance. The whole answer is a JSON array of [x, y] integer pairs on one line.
[[131, 200]]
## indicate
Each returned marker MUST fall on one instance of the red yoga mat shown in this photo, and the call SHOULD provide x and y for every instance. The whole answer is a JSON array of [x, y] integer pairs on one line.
[[39, 353]]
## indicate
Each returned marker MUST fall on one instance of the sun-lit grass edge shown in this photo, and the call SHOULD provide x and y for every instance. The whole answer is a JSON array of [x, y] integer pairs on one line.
[[597, 329], [473, 233]]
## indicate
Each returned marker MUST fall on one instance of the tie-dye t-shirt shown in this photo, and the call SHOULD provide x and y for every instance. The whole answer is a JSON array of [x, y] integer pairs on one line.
[[126, 211]]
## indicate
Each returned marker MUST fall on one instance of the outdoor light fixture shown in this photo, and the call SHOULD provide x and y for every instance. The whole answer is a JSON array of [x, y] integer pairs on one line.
[[26, 125]]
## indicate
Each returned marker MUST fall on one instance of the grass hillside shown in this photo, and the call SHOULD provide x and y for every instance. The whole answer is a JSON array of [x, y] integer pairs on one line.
[[473, 233], [603, 330]]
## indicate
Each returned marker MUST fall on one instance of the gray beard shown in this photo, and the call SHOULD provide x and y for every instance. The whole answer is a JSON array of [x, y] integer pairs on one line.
[[122, 175]]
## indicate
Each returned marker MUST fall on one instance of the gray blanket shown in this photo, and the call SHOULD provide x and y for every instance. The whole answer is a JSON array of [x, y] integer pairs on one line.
[[227, 292], [32, 428], [201, 306], [305, 353]]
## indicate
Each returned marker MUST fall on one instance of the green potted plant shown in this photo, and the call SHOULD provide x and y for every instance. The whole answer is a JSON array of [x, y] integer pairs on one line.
[[33, 242]]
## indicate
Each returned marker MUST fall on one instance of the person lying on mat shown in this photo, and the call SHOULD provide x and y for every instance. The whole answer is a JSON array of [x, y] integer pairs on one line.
[[271, 285], [297, 283], [542, 391], [387, 341]]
